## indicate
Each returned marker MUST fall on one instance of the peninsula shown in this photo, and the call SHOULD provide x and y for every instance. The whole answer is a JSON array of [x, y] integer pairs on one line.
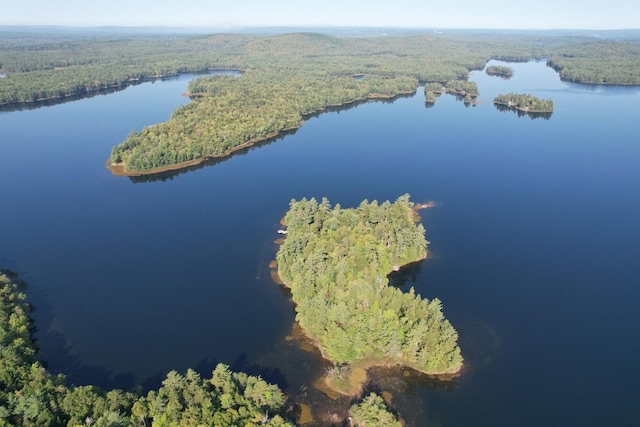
[[336, 262], [465, 90], [231, 113]]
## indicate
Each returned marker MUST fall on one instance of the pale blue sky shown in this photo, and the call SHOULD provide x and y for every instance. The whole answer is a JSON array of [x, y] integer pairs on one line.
[[537, 14]]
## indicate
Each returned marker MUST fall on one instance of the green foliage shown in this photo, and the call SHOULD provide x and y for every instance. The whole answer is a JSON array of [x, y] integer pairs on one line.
[[525, 102], [432, 91], [372, 412], [336, 262], [30, 396], [227, 399], [232, 111], [287, 76], [462, 87], [598, 62], [499, 70]]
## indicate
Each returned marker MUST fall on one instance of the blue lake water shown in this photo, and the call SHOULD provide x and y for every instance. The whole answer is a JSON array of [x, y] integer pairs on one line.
[[534, 245]]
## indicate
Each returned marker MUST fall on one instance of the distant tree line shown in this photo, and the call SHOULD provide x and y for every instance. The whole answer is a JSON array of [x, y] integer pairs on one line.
[[598, 62], [40, 69]]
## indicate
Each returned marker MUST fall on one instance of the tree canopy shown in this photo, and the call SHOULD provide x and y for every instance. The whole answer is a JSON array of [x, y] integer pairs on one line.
[[499, 70], [336, 262], [31, 396], [524, 102]]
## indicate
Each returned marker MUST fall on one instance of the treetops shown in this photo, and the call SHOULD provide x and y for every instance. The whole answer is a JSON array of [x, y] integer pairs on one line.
[[336, 262], [525, 102], [31, 396]]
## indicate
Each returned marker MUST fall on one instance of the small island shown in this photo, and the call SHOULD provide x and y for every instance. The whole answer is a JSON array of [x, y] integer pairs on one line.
[[524, 102], [336, 262], [500, 71], [462, 89]]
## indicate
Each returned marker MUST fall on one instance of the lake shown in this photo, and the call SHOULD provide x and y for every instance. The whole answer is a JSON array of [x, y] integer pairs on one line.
[[533, 246]]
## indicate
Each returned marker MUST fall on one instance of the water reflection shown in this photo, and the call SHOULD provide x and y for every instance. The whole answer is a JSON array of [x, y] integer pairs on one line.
[[85, 93], [169, 175], [33, 105], [520, 113]]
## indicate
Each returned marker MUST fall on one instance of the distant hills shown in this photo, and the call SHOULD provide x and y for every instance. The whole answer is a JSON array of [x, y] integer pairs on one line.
[[47, 30]]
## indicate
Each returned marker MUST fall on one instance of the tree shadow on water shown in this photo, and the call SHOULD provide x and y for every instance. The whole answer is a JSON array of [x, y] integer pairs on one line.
[[408, 274], [271, 375], [56, 354]]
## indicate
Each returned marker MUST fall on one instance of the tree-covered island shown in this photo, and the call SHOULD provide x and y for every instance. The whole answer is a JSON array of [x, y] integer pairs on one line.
[[336, 262], [524, 102], [499, 70]]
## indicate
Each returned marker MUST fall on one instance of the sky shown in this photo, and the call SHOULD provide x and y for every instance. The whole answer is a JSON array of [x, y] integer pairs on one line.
[[498, 14]]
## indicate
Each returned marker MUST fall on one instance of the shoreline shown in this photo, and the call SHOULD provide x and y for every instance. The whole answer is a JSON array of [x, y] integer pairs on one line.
[[119, 169], [362, 366], [513, 107], [89, 92]]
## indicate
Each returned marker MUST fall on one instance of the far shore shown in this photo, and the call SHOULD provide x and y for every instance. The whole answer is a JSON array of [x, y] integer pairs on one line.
[[120, 169], [88, 92]]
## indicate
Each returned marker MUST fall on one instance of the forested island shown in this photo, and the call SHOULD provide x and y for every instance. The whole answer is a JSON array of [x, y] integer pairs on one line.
[[287, 76], [499, 70], [336, 262], [524, 102]]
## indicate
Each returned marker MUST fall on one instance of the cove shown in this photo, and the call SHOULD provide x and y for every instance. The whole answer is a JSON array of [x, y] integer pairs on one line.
[[533, 246]]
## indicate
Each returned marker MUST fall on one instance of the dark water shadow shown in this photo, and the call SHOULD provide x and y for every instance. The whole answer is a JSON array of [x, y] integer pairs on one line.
[[272, 375], [83, 94], [169, 175], [408, 274], [400, 380], [55, 353], [531, 115]]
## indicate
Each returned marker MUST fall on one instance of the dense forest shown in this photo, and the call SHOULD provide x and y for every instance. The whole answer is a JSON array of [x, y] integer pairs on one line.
[[31, 396], [499, 70], [597, 62], [336, 262], [241, 110], [524, 102], [287, 77]]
